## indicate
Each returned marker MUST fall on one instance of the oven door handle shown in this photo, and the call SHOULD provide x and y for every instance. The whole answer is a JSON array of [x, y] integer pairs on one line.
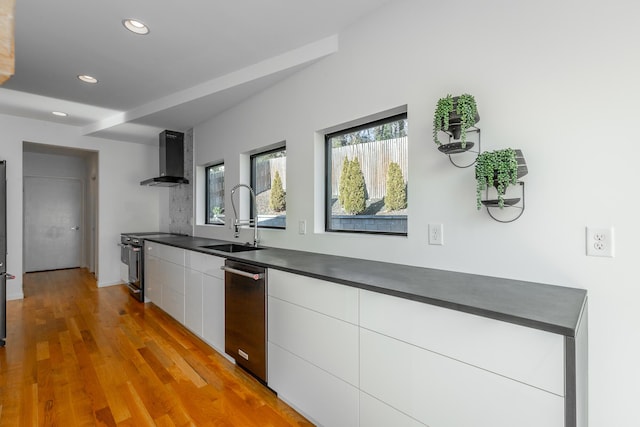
[[133, 289], [254, 276]]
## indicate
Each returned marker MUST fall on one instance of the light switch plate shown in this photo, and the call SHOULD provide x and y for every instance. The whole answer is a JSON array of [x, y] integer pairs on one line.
[[302, 227]]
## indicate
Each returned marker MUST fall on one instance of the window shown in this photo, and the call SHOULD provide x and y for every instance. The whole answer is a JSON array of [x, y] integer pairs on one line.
[[215, 194], [269, 181], [366, 172]]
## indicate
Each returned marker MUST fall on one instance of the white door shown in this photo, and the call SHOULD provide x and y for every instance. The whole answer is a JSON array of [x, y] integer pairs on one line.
[[52, 229]]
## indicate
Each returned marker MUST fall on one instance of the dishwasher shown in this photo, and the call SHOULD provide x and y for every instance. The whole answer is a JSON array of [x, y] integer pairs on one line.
[[245, 316]]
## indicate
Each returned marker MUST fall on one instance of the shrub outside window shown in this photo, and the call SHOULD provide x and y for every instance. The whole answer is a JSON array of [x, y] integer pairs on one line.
[[367, 171], [215, 194], [268, 180]]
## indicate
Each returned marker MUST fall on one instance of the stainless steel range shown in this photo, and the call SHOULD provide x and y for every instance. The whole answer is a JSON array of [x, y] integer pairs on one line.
[[132, 255]]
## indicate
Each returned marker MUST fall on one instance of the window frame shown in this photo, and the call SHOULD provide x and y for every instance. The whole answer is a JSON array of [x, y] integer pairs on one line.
[[252, 178], [328, 216], [207, 194]]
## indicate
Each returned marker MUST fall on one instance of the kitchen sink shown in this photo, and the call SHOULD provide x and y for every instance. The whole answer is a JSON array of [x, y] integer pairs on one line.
[[231, 247]]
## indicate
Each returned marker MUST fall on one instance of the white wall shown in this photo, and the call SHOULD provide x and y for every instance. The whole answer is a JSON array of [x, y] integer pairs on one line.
[[558, 80], [123, 204]]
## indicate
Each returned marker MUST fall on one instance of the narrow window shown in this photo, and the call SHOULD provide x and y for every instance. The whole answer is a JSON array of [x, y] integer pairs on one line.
[[215, 194], [269, 181], [367, 172]]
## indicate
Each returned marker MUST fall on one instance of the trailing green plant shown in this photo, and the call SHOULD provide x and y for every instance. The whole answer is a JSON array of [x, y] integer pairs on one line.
[[467, 110], [444, 107], [277, 201], [396, 197], [465, 107], [355, 192], [496, 169]]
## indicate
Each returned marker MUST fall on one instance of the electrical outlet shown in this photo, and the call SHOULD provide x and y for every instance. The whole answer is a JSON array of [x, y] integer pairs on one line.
[[600, 242], [302, 227], [435, 234]]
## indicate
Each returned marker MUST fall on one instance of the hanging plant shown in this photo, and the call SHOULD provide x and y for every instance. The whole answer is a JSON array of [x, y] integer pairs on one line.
[[456, 115], [444, 107], [496, 169], [467, 110]]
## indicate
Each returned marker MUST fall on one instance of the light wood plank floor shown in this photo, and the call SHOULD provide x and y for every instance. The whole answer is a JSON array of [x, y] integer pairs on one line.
[[78, 355]]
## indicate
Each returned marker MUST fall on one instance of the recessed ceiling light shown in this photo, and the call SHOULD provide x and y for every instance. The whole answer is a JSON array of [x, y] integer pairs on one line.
[[59, 113], [87, 79], [135, 26]]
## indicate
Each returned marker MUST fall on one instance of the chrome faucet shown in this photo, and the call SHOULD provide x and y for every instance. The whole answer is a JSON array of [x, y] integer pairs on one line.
[[237, 222]]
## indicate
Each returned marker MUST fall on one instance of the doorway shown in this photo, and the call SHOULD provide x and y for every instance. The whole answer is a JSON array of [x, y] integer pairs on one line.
[[60, 208], [53, 225]]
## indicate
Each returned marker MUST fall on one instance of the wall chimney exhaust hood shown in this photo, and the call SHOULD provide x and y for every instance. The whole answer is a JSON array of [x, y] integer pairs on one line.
[[171, 161]]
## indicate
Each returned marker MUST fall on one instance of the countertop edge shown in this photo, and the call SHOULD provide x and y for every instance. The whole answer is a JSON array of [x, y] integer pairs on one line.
[[575, 298]]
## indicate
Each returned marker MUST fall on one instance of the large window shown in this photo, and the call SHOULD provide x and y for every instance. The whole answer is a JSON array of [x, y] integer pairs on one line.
[[366, 188], [215, 194], [269, 181]]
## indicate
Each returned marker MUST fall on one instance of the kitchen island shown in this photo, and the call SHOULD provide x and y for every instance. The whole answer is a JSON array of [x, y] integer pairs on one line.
[[417, 312]]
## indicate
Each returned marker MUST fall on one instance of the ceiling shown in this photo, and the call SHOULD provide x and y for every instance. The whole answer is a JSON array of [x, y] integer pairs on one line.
[[200, 58]]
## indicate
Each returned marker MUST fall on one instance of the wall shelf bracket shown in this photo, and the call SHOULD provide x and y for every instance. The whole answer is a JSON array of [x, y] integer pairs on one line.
[[453, 148], [512, 203]]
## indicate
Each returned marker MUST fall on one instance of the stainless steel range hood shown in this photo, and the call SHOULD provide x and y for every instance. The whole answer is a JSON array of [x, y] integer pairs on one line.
[[171, 161]]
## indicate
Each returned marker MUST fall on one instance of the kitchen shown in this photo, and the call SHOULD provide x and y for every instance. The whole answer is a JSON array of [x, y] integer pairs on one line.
[[333, 92]]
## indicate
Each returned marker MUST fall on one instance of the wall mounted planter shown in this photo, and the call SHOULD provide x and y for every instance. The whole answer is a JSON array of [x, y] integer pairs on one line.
[[505, 167], [456, 116]]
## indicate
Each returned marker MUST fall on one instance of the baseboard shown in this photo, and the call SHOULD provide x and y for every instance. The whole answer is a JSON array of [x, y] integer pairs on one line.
[[15, 296], [104, 284]]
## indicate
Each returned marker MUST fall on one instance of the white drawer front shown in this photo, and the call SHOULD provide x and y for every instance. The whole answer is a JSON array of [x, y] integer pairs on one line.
[[212, 266], [332, 299], [207, 264], [525, 354], [173, 277], [173, 304], [443, 392], [324, 341], [213, 312], [152, 282], [321, 397], [374, 413], [170, 253], [193, 301]]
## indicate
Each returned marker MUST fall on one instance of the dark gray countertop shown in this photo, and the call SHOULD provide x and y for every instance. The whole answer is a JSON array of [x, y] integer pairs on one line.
[[546, 307]]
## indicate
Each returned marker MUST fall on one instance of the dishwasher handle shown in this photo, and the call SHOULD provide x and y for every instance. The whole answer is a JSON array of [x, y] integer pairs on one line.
[[254, 276]]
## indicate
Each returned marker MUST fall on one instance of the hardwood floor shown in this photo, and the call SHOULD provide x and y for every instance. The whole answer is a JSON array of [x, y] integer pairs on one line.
[[78, 355]]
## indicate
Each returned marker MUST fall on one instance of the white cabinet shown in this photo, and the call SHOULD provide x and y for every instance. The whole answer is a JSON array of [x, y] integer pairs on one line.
[[440, 391], [164, 278], [313, 347], [213, 313], [374, 413], [524, 354], [193, 301], [205, 297], [321, 397], [152, 281], [447, 368], [173, 290], [345, 356], [189, 286]]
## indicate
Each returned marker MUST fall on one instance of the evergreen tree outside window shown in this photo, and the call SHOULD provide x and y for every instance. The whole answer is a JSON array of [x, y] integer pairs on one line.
[[268, 180], [215, 194], [366, 178]]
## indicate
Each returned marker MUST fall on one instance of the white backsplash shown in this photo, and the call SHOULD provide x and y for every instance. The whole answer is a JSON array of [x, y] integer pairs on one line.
[[181, 196]]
